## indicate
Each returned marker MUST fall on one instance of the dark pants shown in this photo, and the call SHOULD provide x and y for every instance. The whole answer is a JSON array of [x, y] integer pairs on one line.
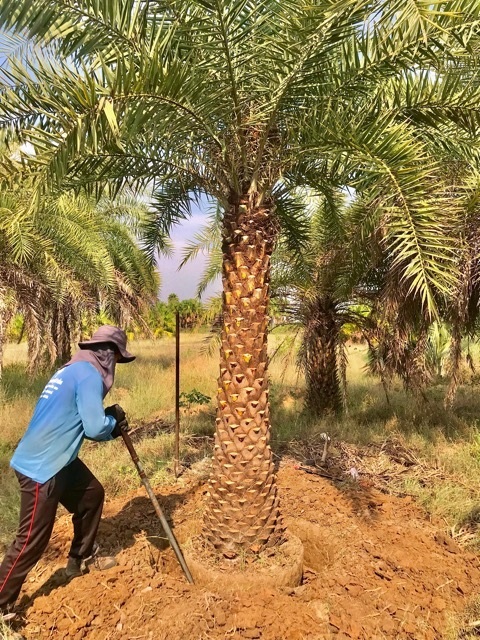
[[80, 492]]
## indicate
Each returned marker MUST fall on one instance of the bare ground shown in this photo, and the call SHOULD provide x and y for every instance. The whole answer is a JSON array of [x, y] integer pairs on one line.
[[375, 567]]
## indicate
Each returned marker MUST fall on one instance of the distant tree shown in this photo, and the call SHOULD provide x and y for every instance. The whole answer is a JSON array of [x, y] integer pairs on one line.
[[68, 259], [191, 313], [173, 301], [160, 318], [462, 312], [309, 285]]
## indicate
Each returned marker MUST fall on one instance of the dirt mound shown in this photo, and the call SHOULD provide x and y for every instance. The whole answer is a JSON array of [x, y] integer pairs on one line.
[[375, 568]]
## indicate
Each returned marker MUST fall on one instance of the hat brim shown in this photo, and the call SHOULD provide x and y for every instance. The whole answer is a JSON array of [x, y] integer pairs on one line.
[[126, 355]]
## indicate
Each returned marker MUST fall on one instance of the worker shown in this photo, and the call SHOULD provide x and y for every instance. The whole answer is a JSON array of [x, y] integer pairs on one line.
[[70, 408]]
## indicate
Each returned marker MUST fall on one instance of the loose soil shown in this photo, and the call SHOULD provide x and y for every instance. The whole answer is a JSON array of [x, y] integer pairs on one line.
[[375, 567]]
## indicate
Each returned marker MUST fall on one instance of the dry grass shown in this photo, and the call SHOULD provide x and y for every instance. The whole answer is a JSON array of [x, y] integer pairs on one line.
[[467, 625], [447, 443], [6, 633], [147, 386]]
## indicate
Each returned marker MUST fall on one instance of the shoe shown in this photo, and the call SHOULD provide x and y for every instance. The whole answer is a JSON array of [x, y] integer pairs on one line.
[[100, 563], [74, 567], [78, 566]]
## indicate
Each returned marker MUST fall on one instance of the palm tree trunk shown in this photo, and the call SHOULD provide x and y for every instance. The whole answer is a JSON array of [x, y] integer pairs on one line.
[[243, 507], [61, 334], [41, 348], [6, 314], [454, 366], [324, 394]]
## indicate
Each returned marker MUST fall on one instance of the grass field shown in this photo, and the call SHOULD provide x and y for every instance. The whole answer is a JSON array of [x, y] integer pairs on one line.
[[448, 442]]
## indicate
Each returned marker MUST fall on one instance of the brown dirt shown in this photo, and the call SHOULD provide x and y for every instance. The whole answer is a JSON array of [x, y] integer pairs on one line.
[[274, 567], [376, 567]]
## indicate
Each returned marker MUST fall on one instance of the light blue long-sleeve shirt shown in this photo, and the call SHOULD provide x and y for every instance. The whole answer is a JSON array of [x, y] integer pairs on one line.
[[69, 409]]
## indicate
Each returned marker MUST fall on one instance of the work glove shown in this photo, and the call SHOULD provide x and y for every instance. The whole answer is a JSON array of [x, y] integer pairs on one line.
[[119, 427], [118, 413]]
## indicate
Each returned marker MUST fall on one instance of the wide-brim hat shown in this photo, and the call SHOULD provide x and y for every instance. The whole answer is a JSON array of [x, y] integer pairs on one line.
[[108, 333]]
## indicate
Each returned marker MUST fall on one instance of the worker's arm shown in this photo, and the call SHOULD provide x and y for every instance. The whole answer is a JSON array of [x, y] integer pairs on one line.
[[89, 397]]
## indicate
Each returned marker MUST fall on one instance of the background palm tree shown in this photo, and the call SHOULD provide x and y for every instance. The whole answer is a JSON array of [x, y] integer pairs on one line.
[[69, 258], [244, 100], [463, 308]]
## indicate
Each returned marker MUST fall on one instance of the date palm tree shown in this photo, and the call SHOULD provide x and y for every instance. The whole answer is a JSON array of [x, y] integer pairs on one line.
[[462, 312], [306, 287], [64, 260], [242, 100], [309, 284]]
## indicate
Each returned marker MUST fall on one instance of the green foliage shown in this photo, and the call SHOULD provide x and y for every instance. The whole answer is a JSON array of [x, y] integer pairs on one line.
[[438, 349], [16, 328], [192, 313], [187, 398], [67, 263], [161, 317], [173, 301]]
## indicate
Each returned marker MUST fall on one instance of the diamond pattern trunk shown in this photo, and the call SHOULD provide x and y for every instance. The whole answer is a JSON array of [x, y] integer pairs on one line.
[[243, 512], [321, 367]]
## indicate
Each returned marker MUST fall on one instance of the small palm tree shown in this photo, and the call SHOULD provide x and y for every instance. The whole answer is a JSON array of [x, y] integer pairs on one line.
[[242, 101], [309, 284]]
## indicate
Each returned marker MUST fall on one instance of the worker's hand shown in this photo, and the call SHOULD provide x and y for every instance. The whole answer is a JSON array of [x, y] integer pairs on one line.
[[119, 427], [116, 411]]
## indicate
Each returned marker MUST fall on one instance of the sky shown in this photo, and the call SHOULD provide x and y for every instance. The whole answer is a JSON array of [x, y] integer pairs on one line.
[[184, 282]]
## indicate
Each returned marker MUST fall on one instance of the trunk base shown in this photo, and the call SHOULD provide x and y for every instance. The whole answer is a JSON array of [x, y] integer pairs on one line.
[[283, 569]]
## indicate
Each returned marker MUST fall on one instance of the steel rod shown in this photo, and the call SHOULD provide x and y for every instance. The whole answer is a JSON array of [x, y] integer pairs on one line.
[[157, 507], [176, 462]]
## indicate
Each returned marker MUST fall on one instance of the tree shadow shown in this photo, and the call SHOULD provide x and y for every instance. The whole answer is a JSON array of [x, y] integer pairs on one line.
[[364, 499], [138, 515], [57, 580], [363, 496]]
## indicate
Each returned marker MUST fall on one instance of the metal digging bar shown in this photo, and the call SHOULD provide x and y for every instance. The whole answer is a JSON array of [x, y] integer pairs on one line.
[[158, 508], [176, 464]]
